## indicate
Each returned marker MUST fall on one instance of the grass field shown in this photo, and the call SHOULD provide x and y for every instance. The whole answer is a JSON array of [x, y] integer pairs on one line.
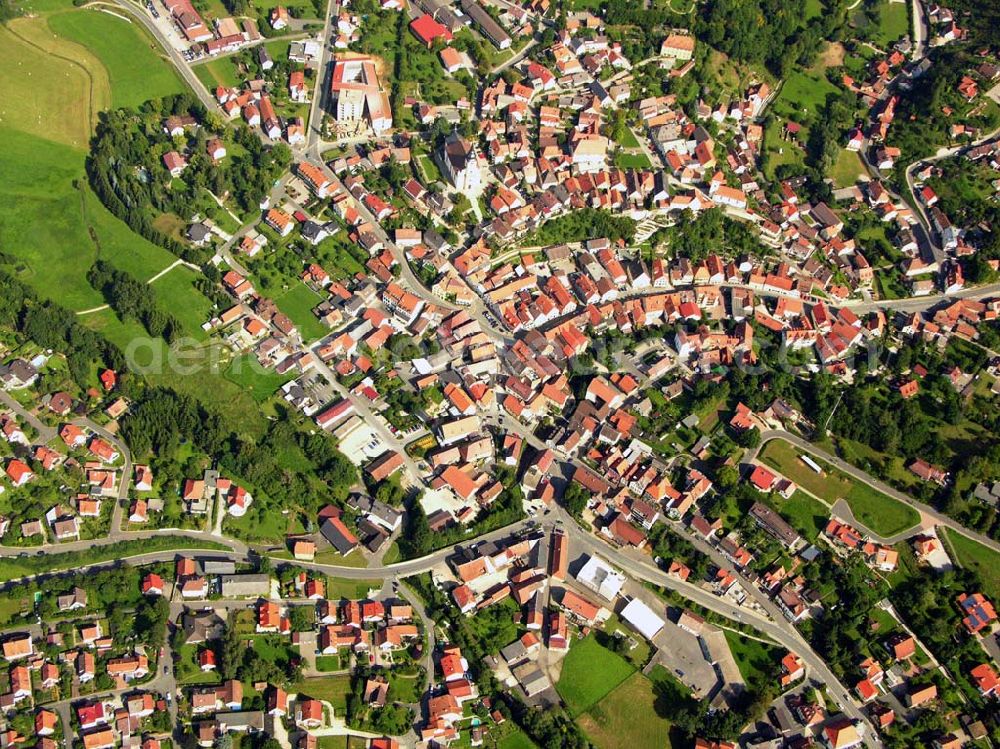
[[337, 588], [52, 223], [807, 515], [974, 556], [298, 303], [13, 606], [879, 512], [220, 72], [261, 383], [632, 161], [137, 69], [56, 227], [429, 168], [176, 293], [627, 717], [75, 89], [193, 370], [332, 689], [813, 8], [895, 22], [846, 169], [328, 663], [780, 151], [756, 660], [628, 139], [306, 8], [589, 672], [516, 740], [802, 96]]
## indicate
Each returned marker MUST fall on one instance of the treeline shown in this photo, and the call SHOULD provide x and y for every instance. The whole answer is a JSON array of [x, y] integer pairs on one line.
[[133, 300], [891, 425], [768, 32], [54, 327], [8, 11], [711, 231], [589, 223], [828, 131], [507, 508], [126, 170]]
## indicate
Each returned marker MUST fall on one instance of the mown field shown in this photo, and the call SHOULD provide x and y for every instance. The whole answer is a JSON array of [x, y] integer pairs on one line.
[[627, 717], [589, 673], [137, 70], [974, 556], [879, 512], [72, 63]]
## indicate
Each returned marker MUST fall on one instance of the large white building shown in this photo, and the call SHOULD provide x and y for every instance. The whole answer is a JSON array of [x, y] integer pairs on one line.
[[461, 163], [359, 96], [600, 577]]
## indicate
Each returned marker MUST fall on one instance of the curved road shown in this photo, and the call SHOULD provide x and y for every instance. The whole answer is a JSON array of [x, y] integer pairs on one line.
[[865, 478]]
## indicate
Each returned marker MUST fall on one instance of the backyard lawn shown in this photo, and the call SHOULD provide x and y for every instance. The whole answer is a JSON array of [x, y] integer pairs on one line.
[[880, 513], [628, 139], [298, 303], [974, 556], [632, 161], [589, 672], [516, 740], [627, 717], [806, 514], [328, 663], [332, 689], [846, 169]]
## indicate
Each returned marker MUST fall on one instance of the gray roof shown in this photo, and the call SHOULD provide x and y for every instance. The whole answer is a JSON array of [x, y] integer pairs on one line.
[[337, 539], [201, 626], [245, 585], [218, 567], [198, 232], [245, 720]]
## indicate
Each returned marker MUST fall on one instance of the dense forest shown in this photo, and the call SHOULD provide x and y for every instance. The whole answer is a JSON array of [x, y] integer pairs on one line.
[[54, 327], [126, 169], [582, 225], [162, 420], [709, 231], [769, 32], [133, 300]]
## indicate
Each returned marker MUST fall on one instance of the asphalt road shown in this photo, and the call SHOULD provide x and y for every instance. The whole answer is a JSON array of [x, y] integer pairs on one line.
[[859, 475]]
